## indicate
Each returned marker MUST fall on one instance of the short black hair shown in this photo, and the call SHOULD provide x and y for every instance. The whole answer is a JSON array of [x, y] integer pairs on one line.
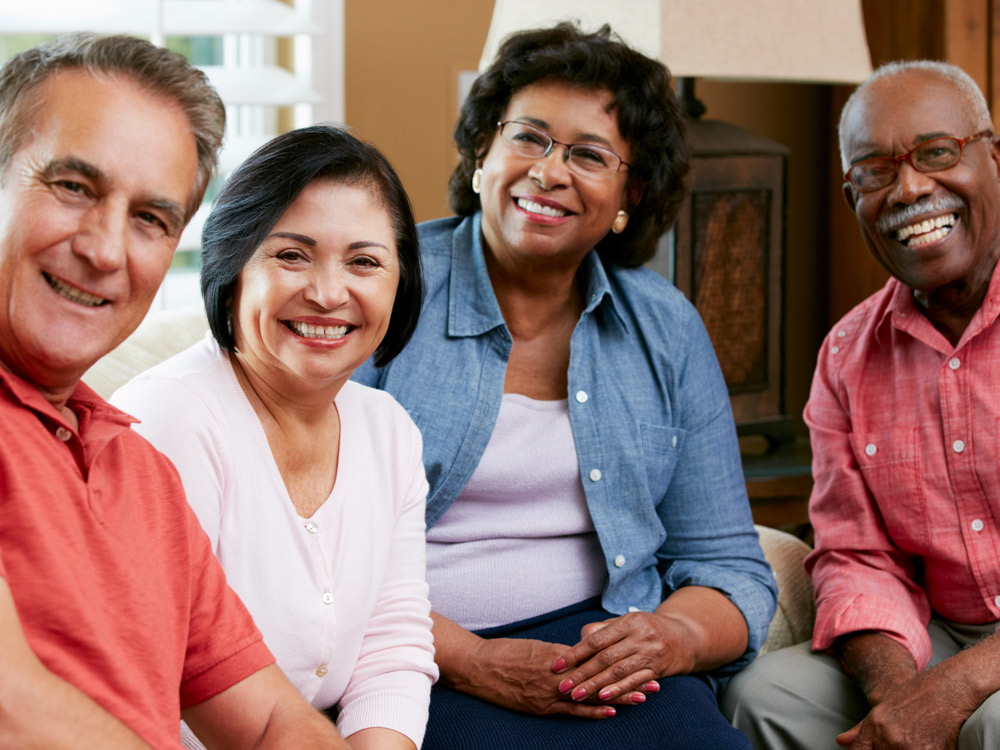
[[649, 119], [262, 189]]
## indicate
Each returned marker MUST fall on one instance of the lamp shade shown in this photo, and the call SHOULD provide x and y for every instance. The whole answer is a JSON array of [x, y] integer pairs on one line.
[[776, 40]]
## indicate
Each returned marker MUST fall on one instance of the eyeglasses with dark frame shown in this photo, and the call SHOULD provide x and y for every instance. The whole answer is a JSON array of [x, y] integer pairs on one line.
[[583, 159], [934, 155]]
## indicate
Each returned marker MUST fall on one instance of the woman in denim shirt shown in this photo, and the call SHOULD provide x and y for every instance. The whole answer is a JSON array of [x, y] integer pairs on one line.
[[591, 554]]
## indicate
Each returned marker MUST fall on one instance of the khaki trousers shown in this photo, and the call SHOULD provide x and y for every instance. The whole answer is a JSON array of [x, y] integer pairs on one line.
[[795, 699]]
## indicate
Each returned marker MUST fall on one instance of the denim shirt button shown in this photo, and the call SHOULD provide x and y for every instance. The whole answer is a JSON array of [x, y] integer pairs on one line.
[[595, 475], [634, 609], [620, 561], [581, 397]]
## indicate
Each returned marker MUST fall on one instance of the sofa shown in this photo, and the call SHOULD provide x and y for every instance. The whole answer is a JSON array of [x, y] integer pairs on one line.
[[165, 333]]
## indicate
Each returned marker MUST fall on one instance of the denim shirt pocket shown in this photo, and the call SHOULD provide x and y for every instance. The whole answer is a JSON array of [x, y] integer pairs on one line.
[[661, 447], [890, 464]]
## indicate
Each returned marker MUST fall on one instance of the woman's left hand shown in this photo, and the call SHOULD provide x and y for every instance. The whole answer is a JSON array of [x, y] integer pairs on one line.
[[695, 628], [622, 655]]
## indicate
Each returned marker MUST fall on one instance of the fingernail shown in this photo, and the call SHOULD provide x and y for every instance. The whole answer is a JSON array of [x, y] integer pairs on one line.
[[565, 686], [559, 665], [652, 686], [637, 698], [604, 694], [579, 694], [609, 712]]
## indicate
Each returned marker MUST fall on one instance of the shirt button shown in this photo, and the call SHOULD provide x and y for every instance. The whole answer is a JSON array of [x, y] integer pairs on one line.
[[595, 475], [634, 609], [321, 670], [870, 449], [63, 434], [841, 334], [954, 363], [835, 349], [312, 528], [327, 597], [620, 561], [977, 524], [996, 600], [581, 397], [673, 441], [959, 446]]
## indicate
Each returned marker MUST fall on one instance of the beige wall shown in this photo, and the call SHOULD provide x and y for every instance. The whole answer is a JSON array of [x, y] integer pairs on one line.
[[402, 63], [401, 67]]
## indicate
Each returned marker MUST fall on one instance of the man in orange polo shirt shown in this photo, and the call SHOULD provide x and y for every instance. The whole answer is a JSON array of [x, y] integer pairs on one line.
[[114, 615]]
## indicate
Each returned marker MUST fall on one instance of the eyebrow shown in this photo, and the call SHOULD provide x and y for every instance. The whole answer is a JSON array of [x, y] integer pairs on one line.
[[305, 240], [174, 211], [293, 236], [580, 137]]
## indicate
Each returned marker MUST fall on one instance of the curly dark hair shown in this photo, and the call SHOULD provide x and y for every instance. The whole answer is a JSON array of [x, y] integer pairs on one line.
[[649, 119]]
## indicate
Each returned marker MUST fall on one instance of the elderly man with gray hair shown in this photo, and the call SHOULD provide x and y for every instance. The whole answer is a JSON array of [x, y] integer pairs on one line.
[[904, 417], [115, 617]]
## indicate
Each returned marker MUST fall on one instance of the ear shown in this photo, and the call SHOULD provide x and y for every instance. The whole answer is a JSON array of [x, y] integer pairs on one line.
[[633, 194], [849, 195], [994, 145]]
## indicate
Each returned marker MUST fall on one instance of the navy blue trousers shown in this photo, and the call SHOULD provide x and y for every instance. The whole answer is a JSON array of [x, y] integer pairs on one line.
[[683, 715]]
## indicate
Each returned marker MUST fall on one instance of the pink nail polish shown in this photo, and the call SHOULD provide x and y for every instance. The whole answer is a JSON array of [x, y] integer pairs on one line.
[[609, 712], [637, 698], [604, 694], [559, 665], [565, 686], [652, 686], [579, 694]]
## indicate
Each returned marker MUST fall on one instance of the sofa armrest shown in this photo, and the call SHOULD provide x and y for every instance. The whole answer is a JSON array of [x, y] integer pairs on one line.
[[796, 613], [160, 336]]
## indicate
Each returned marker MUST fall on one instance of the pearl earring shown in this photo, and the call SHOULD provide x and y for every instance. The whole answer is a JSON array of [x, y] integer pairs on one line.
[[477, 179], [621, 221]]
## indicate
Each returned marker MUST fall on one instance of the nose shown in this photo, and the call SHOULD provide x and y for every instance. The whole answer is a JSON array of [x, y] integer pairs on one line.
[[327, 286], [553, 170], [910, 185], [102, 237]]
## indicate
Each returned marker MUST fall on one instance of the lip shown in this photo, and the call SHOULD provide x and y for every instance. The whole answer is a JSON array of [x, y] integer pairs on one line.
[[537, 218], [49, 278], [319, 343], [922, 246]]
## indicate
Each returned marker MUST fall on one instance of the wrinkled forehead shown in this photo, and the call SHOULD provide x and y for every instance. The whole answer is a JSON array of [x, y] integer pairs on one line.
[[894, 114]]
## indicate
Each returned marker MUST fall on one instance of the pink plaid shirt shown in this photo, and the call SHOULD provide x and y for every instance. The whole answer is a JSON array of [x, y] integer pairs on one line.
[[905, 434]]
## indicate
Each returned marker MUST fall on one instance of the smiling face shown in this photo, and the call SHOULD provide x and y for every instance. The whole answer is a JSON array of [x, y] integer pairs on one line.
[[537, 208], [935, 229], [314, 300], [91, 210]]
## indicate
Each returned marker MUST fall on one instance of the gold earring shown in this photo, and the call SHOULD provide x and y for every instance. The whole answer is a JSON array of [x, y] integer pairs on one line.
[[477, 179], [621, 221]]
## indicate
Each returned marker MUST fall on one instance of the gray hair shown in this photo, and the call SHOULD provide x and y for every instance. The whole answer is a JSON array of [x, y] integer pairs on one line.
[[978, 110], [157, 70]]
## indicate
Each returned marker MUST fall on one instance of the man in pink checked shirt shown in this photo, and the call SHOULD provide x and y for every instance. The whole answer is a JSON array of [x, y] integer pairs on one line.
[[904, 417]]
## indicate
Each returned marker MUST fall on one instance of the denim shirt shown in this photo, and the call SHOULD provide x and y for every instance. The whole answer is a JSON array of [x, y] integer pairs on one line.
[[649, 411]]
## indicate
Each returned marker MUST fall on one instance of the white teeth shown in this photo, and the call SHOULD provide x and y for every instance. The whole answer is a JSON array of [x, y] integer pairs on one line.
[[928, 230], [305, 330], [538, 208], [73, 294]]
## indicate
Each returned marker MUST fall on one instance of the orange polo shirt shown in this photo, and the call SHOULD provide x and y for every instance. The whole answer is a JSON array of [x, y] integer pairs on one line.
[[115, 583]]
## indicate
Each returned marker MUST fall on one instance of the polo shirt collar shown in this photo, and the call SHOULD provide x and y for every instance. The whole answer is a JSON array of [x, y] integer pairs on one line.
[[475, 313]]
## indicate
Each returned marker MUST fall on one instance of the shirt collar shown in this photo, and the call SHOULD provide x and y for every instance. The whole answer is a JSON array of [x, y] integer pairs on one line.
[[905, 314], [84, 401], [476, 313]]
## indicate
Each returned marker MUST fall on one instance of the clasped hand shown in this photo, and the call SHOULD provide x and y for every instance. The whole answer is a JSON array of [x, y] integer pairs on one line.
[[617, 661]]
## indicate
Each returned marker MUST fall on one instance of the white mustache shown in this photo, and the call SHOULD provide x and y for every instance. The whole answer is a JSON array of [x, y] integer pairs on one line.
[[897, 218]]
